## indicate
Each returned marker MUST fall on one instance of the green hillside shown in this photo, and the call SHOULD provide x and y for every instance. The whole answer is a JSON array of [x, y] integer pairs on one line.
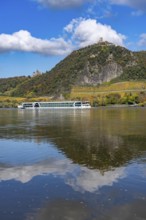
[[8, 84], [90, 66]]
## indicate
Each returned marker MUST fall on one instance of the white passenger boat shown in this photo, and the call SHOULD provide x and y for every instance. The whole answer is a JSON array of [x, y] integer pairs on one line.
[[56, 105]]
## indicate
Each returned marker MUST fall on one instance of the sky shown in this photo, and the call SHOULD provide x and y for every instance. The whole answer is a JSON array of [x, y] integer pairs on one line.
[[38, 34]]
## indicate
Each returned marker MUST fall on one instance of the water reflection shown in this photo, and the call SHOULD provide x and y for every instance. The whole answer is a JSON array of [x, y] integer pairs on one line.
[[98, 139], [79, 178], [73, 164], [68, 209], [134, 210]]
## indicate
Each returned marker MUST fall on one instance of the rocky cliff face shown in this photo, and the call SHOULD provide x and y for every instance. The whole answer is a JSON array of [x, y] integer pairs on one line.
[[94, 75], [108, 62]]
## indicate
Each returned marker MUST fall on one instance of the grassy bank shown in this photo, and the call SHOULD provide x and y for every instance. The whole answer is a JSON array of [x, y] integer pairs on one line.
[[116, 93], [13, 102]]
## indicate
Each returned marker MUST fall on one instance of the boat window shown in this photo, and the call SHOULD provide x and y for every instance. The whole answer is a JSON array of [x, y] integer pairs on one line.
[[78, 104], [27, 105], [86, 103]]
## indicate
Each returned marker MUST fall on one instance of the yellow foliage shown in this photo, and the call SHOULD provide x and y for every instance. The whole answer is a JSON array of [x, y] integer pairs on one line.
[[99, 92]]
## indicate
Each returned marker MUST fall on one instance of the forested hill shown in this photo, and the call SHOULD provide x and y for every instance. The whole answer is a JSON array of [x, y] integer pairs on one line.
[[8, 84], [91, 66]]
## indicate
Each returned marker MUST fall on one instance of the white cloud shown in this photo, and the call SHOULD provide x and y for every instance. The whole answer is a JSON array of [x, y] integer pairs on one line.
[[91, 180], [25, 174], [140, 5], [80, 33], [73, 24], [23, 41], [87, 31], [137, 4], [142, 41], [83, 180], [62, 3]]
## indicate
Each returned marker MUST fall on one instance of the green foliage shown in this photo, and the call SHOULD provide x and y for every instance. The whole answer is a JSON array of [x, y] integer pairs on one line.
[[8, 84], [130, 99], [89, 61], [134, 73], [116, 98]]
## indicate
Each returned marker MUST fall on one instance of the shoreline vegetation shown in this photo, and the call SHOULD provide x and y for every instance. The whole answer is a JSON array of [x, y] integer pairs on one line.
[[130, 93], [107, 94]]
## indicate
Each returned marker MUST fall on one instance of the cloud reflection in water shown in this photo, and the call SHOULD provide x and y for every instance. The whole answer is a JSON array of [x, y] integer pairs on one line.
[[80, 178]]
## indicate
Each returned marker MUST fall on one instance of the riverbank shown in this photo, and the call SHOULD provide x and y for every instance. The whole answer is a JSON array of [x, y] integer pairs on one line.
[[118, 98]]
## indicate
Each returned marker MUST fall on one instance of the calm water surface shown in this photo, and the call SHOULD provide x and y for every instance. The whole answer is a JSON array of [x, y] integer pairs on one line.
[[73, 164]]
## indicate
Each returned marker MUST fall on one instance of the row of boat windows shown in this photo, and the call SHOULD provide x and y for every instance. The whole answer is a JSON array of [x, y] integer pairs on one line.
[[65, 104], [56, 104]]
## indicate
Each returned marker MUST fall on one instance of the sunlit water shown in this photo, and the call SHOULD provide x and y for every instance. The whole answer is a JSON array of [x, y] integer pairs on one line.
[[73, 164]]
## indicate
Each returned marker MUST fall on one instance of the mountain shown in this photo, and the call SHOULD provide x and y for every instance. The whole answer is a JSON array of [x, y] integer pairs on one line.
[[89, 66]]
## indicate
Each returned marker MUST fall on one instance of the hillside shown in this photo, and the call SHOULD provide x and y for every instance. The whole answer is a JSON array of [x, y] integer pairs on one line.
[[8, 84], [90, 66]]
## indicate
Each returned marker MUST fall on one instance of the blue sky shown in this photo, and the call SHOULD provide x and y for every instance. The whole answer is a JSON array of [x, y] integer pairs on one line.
[[37, 34]]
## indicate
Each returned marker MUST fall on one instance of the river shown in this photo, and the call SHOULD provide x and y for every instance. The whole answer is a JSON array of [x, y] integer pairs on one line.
[[73, 164]]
